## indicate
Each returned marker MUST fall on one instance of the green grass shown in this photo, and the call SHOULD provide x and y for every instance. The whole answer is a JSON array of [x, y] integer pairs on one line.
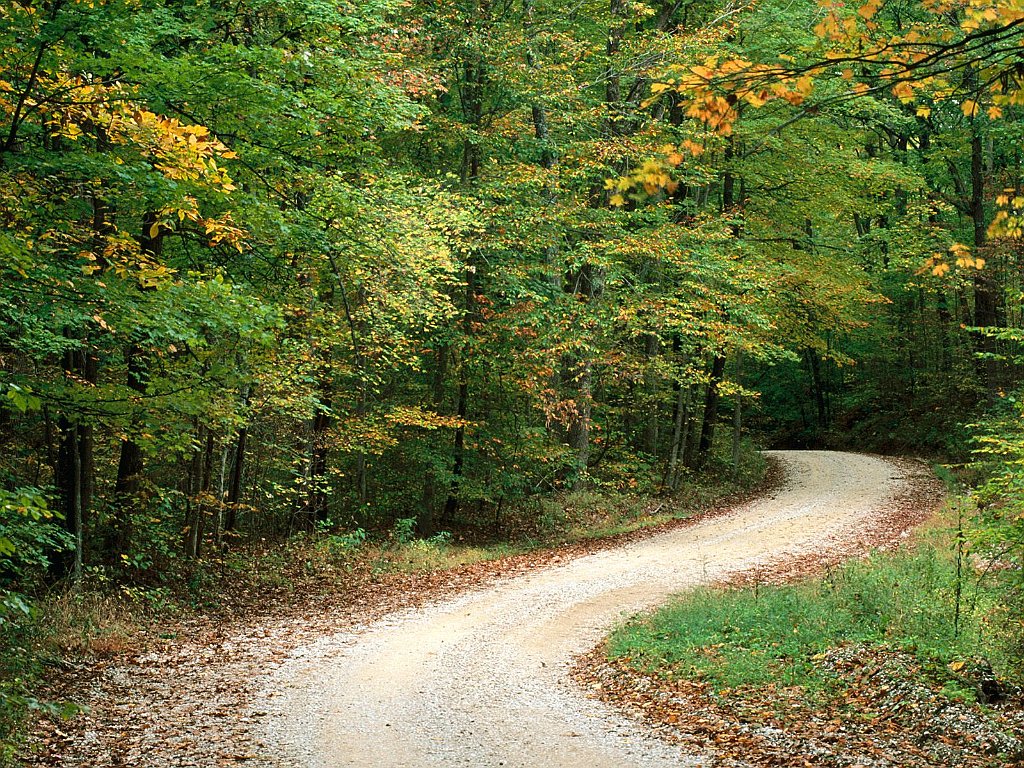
[[771, 634]]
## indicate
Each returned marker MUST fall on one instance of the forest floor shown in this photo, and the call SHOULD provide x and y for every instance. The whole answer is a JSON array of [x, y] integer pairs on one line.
[[184, 691], [297, 685]]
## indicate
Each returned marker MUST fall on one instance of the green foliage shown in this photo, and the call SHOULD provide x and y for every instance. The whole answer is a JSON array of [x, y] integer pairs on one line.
[[404, 531], [30, 534], [996, 534]]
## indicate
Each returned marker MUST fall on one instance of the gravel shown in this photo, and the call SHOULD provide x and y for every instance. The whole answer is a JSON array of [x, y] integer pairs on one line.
[[483, 679]]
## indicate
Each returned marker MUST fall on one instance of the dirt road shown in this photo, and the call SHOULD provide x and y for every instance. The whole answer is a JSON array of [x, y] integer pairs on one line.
[[481, 680]]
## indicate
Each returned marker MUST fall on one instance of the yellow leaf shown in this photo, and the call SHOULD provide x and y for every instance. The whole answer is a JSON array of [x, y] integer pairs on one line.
[[154, 230], [924, 112], [994, 113], [754, 98], [970, 108], [903, 91], [869, 9], [617, 200], [693, 147]]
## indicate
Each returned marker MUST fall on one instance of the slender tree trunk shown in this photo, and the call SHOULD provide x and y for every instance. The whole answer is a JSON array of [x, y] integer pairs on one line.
[[585, 282], [317, 504], [451, 504], [613, 78], [576, 379], [234, 494], [68, 481], [426, 524], [472, 88], [680, 427], [818, 388], [987, 294], [737, 425], [130, 466], [193, 487], [652, 421], [74, 469], [79, 512], [130, 463], [711, 400], [129, 481], [200, 482], [691, 435], [946, 333]]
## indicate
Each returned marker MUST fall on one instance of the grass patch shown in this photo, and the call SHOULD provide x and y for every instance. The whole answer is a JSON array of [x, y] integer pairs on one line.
[[771, 634], [868, 659]]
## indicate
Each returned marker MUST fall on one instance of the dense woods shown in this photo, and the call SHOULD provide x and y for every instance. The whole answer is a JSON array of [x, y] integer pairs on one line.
[[274, 266]]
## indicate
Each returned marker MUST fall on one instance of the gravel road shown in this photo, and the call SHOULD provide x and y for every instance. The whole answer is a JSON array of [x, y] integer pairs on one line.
[[481, 680]]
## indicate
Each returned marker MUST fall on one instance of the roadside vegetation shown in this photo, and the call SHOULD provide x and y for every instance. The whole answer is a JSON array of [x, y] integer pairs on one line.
[[916, 600], [915, 655]]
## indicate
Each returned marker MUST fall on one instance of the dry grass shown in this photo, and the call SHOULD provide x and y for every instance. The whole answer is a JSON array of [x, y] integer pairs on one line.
[[89, 624]]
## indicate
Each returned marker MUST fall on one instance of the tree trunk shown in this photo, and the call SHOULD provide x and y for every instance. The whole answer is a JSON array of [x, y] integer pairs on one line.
[[472, 88], [234, 494], [650, 397], [711, 400], [130, 465], [317, 503], [818, 389], [426, 524], [451, 504], [576, 372], [200, 480], [69, 485], [737, 426], [680, 429], [613, 79], [986, 291]]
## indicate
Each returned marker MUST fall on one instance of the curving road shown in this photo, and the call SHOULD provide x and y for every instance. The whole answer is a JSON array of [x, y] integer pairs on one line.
[[480, 680]]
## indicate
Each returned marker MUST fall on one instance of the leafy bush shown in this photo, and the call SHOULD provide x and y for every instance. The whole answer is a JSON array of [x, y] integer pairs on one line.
[[999, 459], [29, 534]]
